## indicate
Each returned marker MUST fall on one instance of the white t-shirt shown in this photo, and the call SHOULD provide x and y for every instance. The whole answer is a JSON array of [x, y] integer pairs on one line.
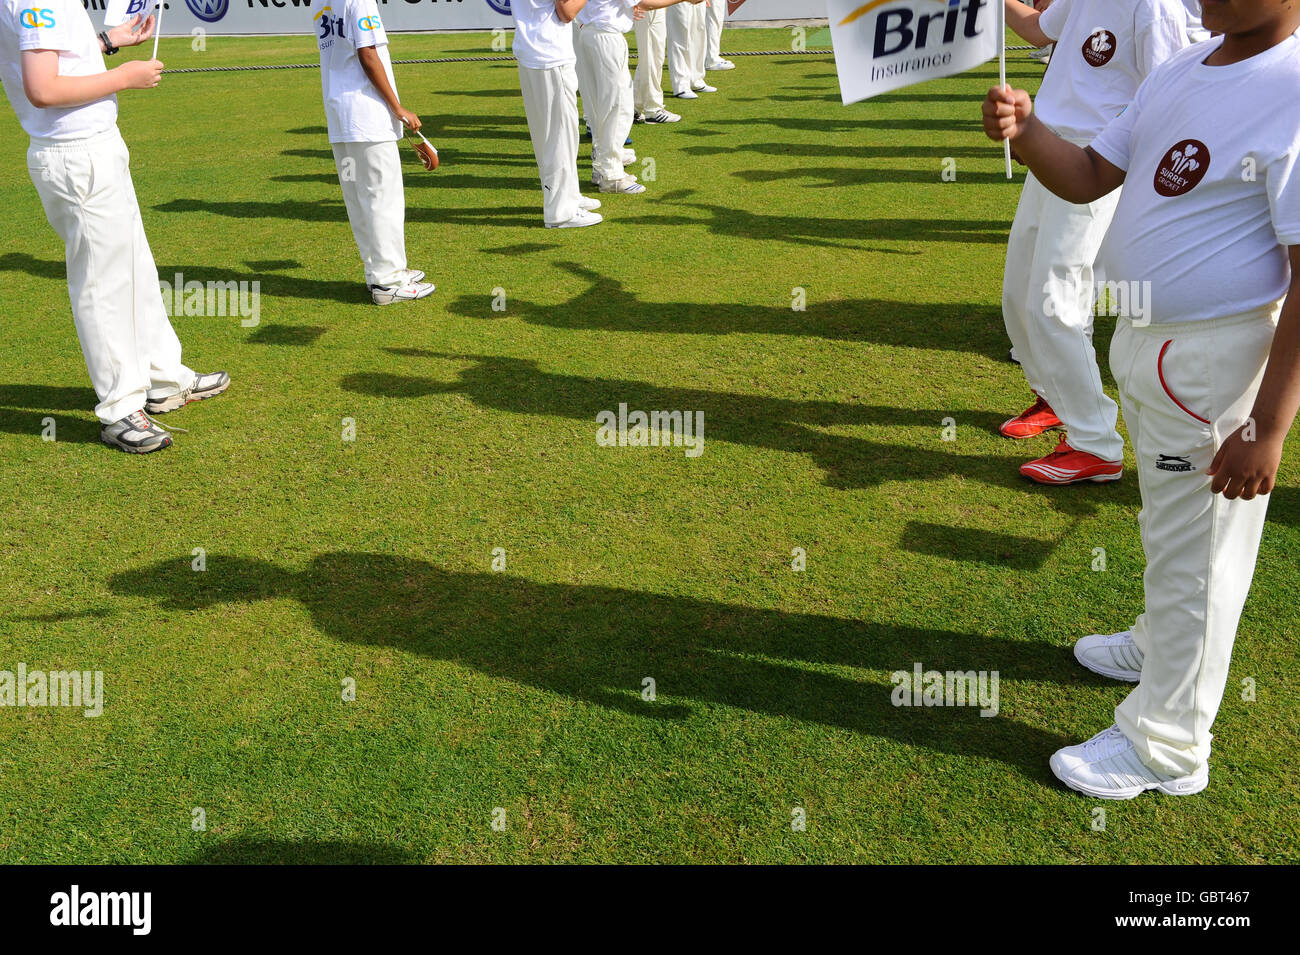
[[542, 40], [1212, 193], [1104, 49], [611, 16], [64, 26], [354, 110]]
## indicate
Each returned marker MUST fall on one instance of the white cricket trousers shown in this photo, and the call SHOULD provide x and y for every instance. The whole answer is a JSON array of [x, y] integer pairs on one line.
[[715, 18], [686, 45], [1186, 387], [607, 97], [131, 351], [651, 53], [371, 177], [1048, 292], [551, 105]]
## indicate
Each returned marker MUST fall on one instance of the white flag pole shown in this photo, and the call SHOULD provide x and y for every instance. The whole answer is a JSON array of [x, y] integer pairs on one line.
[[1002, 72], [157, 35]]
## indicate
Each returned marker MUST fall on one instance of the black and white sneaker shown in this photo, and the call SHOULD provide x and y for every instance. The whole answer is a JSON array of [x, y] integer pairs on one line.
[[205, 386], [137, 433], [661, 116]]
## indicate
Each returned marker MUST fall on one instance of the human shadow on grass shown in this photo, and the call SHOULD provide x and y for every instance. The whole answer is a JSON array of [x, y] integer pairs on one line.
[[254, 850], [24, 408], [605, 304], [827, 177], [825, 150], [518, 386], [329, 210], [595, 644], [817, 231]]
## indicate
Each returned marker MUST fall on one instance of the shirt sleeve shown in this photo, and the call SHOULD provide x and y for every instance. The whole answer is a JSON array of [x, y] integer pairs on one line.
[[1159, 39], [1282, 179], [366, 28], [1115, 143], [44, 28], [1052, 20]]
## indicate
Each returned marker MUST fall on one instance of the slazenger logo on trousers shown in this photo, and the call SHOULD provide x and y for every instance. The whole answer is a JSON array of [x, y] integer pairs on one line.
[[1099, 48], [1170, 462], [74, 907], [1183, 167]]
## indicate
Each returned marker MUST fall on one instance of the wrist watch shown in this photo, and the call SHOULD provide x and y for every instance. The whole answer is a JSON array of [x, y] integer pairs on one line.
[[109, 49]]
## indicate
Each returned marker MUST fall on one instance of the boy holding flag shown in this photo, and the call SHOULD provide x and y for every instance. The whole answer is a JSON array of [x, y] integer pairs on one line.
[[52, 68], [364, 118], [1104, 49], [1210, 217]]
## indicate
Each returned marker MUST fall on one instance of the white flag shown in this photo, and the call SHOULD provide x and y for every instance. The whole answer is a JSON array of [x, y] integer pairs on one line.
[[120, 11], [882, 45]]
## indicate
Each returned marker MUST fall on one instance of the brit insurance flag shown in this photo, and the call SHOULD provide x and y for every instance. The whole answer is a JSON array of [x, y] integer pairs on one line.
[[120, 11], [882, 45]]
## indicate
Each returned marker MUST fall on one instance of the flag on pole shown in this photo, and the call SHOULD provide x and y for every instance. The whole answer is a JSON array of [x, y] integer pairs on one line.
[[118, 12], [883, 45]]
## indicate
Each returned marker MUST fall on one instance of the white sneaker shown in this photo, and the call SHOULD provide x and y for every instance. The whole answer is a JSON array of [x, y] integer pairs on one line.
[[628, 157], [627, 186], [1107, 767], [688, 94], [1114, 655], [661, 116], [719, 65], [412, 275], [406, 292], [588, 204], [582, 219], [705, 88]]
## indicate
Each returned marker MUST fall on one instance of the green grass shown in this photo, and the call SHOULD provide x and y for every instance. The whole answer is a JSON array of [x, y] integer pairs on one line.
[[371, 560]]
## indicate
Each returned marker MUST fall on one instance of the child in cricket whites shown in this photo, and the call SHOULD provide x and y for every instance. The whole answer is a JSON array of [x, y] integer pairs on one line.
[[648, 81], [714, 23], [52, 67], [548, 79], [364, 119], [688, 43], [1210, 217], [606, 84], [1104, 49]]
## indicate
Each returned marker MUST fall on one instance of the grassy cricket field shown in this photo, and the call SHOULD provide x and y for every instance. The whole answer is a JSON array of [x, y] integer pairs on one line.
[[409, 505]]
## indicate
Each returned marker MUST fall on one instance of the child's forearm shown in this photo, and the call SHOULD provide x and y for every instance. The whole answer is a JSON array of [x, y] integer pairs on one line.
[[1024, 21], [566, 10], [1279, 393], [1075, 174], [378, 76], [46, 89]]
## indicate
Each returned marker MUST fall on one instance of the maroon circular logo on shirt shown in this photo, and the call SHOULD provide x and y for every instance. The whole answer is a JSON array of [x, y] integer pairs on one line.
[[1099, 47], [1182, 168]]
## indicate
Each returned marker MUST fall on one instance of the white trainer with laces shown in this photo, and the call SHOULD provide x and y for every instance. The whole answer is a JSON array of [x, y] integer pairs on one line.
[[686, 94], [407, 292], [1107, 767], [719, 65], [704, 88], [1114, 655], [627, 186], [661, 116], [588, 204]]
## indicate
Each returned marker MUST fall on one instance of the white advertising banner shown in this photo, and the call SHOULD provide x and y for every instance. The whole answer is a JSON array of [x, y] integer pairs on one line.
[[882, 45], [235, 17]]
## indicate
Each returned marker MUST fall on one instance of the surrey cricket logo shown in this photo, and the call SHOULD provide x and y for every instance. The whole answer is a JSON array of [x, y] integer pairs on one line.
[[209, 11], [1183, 167], [1099, 48]]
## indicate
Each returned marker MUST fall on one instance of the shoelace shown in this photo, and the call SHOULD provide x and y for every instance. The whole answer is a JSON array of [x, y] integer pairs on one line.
[[1104, 745], [156, 423]]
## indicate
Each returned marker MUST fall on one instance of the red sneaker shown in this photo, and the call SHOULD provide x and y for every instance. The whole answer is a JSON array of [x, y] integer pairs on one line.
[[1068, 466], [1032, 422]]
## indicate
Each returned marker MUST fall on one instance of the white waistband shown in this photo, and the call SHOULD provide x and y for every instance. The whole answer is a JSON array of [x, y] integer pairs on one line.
[[76, 144]]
